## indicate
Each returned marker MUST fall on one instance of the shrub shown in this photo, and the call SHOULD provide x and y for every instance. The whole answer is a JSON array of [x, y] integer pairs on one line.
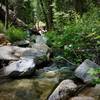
[[95, 73], [15, 34], [1, 27], [79, 38]]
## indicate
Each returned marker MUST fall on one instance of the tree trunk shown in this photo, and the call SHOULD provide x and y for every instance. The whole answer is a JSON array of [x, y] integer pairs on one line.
[[6, 14], [44, 12], [50, 15], [79, 6]]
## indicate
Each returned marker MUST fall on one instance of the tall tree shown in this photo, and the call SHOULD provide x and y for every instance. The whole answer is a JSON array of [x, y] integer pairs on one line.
[[46, 6], [6, 14], [50, 14], [81, 6]]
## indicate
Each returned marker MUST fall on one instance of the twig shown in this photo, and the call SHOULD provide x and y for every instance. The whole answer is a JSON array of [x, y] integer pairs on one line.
[[67, 61]]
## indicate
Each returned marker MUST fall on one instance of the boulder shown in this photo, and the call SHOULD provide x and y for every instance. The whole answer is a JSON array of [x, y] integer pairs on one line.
[[6, 53], [33, 89], [18, 51], [50, 74], [64, 90], [82, 71], [11, 52], [82, 98], [41, 47], [26, 58], [28, 89], [39, 52], [22, 43], [38, 87], [41, 39], [91, 92], [19, 68]]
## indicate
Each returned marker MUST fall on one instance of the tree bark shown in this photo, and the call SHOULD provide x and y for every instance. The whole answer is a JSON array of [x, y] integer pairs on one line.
[[44, 12], [48, 14], [79, 6], [6, 14]]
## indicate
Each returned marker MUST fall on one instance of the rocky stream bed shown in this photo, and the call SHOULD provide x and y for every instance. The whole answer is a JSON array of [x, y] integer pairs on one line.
[[28, 73]]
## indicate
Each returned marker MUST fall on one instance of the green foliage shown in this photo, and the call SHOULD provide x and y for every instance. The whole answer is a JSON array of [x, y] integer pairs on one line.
[[1, 27], [15, 34], [95, 73], [78, 36], [62, 18], [23, 9]]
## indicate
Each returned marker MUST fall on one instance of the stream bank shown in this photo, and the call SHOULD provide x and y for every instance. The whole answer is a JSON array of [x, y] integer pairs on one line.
[[46, 77]]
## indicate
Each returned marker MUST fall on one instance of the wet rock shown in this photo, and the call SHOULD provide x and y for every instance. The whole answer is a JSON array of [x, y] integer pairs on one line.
[[17, 90], [23, 43], [6, 53], [82, 71], [41, 39], [28, 89], [19, 68], [38, 87], [11, 52], [26, 58], [44, 86], [39, 52], [64, 90], [50, 74], [82, 98], [52, 71], [41, 47], [92, 92], [18, 51]]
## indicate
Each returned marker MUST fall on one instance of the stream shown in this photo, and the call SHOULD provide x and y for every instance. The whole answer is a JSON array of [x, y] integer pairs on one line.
[[47, 74]]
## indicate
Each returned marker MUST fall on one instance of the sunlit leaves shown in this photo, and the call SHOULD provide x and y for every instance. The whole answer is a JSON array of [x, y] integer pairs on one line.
[[95, 73]]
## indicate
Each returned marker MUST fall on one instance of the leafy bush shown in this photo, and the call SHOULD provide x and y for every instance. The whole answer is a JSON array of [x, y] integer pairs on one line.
[[95, 73], [15, 34], [1, 27], [79, 39]]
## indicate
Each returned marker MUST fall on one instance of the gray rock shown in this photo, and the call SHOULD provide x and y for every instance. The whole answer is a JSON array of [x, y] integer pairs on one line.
[[82, 98], [39, 52], [41, 47], [26, 58], [11, 52], [41, 39], [15, 52], [63, 91], [23, 43], [82, 71], [18, 51], [37, 88], [20, 68], [6, 53], [91, 92]]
